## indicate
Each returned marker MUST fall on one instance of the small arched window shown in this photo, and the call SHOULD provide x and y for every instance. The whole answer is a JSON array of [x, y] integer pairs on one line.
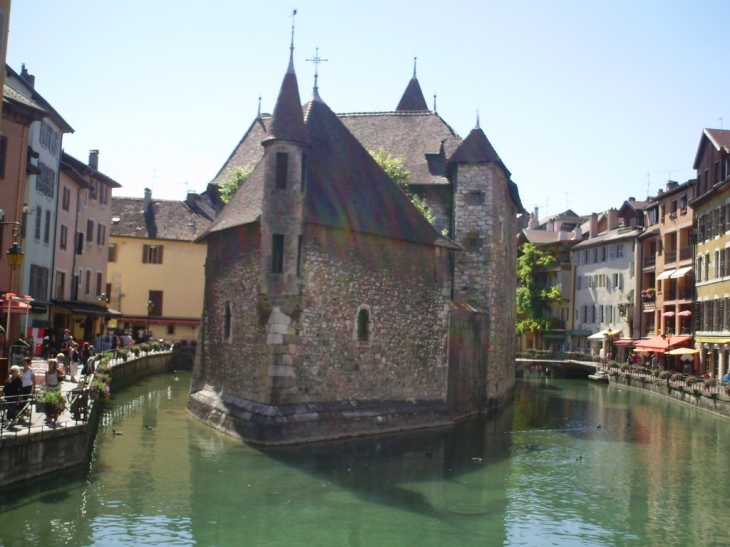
[[227, 322], [363, 322]]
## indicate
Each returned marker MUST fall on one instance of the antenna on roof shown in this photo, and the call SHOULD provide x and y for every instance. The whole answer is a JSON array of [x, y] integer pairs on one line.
[[414, 67], [648, 183], [720, 120], [258, 115], [316, 60], [477, 127], [434, 103]]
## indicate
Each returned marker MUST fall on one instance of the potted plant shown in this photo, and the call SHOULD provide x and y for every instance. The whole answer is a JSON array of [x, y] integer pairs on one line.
[[99, 390], [54, 403]]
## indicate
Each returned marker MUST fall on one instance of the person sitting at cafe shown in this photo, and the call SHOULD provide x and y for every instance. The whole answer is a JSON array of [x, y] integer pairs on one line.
[[12, 391]]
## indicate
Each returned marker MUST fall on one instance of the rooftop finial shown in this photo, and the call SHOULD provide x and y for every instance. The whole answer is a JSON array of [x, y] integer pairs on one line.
[[434, 103], [291, 47], [415, 59], [316, 60], [258, 115], [477, 127]]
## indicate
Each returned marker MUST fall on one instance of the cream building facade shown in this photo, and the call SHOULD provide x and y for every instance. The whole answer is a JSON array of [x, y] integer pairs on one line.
[[154, 258]]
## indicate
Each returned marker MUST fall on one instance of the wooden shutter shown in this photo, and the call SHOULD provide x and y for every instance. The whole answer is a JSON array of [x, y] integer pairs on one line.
[[145, 253], [159, 254], [698, 316], [720, 312]]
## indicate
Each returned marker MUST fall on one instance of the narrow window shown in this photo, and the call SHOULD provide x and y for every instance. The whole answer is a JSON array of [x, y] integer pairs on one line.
[[38, 223], [472, 241], [3, 154], [476, 198], [79, 243], [304, 172], [282, 165], [299, 255], [170, 329], [60, 285], [47, 231], [98, 283], [90, 231], [227, 322], [277, 254], [112, 253], [156, 299], [363, 319], [87, 287]]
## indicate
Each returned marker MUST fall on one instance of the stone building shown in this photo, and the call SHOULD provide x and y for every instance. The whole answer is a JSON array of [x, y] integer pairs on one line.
[[332, 307]]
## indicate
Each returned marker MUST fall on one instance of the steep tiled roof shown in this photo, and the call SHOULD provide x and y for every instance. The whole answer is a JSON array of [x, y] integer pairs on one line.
[[411, 136], [248, 151], [288, 121], [13, 97], [475, 148], [245, 205], [720, 139], [86, 170], [348, 189], [412, 98], [173, 220], [616, 234]]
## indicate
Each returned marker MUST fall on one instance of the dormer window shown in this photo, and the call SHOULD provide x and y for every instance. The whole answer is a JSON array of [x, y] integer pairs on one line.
[[282, 166]]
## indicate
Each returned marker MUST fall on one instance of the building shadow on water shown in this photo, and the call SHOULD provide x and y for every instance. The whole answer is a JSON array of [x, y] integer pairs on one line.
[[373, 468]]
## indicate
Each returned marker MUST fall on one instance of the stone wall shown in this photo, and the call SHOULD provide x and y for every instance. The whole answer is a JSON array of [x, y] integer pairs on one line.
[[232, 278], [439, 201], [696, 397], [485, 273]]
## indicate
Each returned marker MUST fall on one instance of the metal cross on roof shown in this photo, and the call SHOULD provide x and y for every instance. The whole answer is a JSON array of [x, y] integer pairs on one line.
[[316, 60]]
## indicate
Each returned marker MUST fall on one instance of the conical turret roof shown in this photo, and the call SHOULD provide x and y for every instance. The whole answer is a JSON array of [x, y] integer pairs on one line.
[[288, 120], [412, 99], [475, 148]]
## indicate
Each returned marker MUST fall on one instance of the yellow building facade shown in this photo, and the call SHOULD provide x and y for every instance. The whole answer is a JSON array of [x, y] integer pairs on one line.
[[156, 270]]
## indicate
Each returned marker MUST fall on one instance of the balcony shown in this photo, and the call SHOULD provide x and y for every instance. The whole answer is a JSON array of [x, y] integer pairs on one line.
[[678, 293], [670, 256], [649, 261], [685, 253]]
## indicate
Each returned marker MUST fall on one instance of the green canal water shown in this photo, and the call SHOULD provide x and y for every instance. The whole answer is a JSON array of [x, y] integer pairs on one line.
[[653, 474]]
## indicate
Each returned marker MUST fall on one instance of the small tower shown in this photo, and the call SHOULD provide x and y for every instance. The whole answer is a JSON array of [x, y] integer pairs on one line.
[[282, 225], [485, 207]]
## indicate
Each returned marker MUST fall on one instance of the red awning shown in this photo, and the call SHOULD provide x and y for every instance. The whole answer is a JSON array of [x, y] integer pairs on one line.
[[16, 306], [624, 342], [660, 344]]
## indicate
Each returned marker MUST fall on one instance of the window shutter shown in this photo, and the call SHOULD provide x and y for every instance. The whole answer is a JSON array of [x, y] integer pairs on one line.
[[159, 254], [145, 253]]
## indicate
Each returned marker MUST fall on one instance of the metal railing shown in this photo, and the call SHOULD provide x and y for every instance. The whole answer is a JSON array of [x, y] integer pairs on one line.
[[649, 261], [677, 380], [686, 253], [670, 256]]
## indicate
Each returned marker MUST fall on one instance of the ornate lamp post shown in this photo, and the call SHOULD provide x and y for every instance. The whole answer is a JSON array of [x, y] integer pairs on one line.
[[609, 341], [15, 256], [104, 302], [150, 307]]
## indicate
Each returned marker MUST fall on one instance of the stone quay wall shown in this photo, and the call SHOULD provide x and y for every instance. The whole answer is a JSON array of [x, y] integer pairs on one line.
[[46, 450], [718, 404]]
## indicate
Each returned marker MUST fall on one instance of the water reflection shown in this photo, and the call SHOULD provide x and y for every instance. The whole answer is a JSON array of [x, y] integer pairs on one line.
[[539, 473]]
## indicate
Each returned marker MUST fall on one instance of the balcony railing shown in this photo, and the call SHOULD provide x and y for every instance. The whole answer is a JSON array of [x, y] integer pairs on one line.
[[649, 261], [685, 253], [670, 256]]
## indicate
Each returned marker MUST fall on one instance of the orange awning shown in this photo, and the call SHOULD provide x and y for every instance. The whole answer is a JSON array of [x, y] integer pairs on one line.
[[661, 344], [16, 306]]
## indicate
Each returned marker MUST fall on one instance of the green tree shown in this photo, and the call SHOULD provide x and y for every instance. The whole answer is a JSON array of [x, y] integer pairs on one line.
[[533, 297], [401, 176], [233, 182]]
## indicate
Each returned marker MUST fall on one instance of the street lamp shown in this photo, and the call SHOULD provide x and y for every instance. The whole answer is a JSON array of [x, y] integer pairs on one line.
[[15, 252], [104, 302], [150, 307]]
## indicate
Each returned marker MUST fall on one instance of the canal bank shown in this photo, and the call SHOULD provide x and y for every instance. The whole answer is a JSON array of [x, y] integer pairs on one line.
[[30, 452]]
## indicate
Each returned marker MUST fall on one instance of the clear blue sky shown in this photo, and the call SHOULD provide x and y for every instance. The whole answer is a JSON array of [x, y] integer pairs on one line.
[[578, 98]]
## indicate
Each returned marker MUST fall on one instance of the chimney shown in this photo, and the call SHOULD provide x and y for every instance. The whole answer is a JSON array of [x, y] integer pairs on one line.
[[562, 235], [594, 225], [534, 224], [659, 192], [577, 233], [147, 199], [551, 226], [632, 198], [612, 219], [671, 184], [29, 78], [94, 159]]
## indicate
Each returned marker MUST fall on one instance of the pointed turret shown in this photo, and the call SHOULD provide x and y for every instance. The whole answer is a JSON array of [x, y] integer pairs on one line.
[[475, 148], [413, 98], [288, 120]]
